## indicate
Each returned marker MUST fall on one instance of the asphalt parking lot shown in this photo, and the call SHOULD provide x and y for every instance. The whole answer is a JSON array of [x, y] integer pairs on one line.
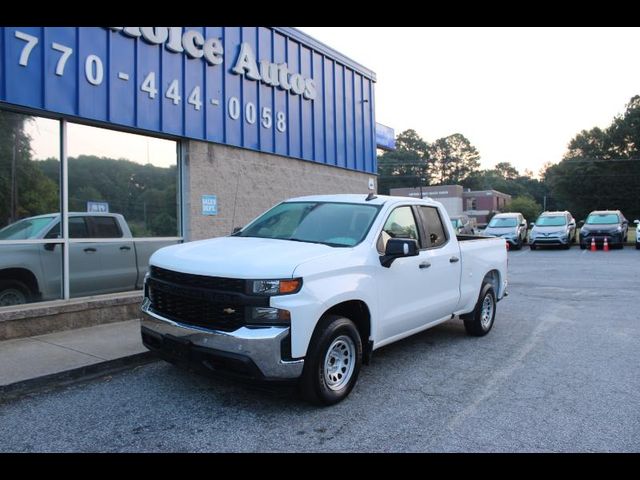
[[558, 373]]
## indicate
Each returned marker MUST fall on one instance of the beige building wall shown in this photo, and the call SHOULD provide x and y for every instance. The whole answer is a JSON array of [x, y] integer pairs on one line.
[[247, 183]]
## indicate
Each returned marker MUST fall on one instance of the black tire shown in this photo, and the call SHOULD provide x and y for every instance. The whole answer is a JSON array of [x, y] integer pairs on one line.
[[567, 246], [14, 292], [532, 246], [315, 383], [637, 246], [583, 246], [473, 321]]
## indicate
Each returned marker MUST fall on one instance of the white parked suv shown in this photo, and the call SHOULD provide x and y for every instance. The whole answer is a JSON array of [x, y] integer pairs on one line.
[[308, 290]]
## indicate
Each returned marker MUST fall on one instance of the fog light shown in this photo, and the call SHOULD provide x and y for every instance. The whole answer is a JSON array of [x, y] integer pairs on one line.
[[268, 315]]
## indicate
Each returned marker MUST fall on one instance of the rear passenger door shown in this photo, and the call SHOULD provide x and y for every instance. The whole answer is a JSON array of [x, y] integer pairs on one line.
[[118, 270], [443, 274]]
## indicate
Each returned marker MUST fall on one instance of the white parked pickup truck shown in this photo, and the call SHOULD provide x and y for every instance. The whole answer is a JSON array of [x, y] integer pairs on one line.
[[309, 289]]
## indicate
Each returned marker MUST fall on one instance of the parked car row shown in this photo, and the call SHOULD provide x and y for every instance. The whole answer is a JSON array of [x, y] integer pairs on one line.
[[559, 229]]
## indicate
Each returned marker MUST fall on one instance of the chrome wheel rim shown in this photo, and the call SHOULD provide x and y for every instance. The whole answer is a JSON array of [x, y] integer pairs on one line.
[[339, 362], [486, 316], [12, 296]]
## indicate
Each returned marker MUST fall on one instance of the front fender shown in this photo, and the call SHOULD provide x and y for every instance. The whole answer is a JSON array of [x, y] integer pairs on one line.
[[320, 293]]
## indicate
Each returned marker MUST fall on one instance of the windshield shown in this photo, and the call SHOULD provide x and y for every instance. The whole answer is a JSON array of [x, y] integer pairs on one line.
[[333, 224], [456, 222], [24, 229], [547, 221], [503, 222], [602, 219]]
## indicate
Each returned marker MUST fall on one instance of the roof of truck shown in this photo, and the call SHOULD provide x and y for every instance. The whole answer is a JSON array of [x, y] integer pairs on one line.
[[359, 198]]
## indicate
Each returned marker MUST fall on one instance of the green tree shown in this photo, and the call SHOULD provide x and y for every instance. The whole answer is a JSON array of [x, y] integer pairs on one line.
[[24, 190], [453, 159], [525, 205], [407, 166], [506, 171], [601, 169]]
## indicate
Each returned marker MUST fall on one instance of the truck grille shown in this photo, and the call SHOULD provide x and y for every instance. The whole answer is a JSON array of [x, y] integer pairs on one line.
[[184, 298], [199, 281]]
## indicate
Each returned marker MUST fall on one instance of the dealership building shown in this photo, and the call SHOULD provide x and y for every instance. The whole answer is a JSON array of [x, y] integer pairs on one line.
[[185, 132]]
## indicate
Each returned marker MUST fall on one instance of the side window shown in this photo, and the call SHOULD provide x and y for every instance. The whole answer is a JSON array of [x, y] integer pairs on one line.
[[400, 224], [105, 227], [54, 232], [78, 227], [434, 227]]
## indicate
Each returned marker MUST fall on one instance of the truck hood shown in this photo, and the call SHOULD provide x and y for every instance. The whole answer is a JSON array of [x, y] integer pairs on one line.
[[240, 257]]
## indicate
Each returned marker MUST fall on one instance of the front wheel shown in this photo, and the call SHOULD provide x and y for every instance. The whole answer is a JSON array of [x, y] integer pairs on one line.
[[333, 361], [480, 321], [14, 292]]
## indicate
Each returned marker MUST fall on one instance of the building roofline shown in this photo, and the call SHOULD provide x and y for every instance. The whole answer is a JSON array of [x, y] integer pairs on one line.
[[306, 39]]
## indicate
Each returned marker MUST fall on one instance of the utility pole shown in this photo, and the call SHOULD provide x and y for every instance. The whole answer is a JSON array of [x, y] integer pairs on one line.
[[544, 203], [13, 213]]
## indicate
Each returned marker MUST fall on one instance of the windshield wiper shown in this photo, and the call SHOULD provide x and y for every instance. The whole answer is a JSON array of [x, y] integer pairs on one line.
[[313, 241]]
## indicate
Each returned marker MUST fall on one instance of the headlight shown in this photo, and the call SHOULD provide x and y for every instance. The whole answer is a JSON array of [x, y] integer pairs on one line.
[[276, 287], [267, 315]]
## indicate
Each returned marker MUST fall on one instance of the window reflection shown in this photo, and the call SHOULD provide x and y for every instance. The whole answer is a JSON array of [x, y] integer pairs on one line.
[[29, 207], [132, 175]]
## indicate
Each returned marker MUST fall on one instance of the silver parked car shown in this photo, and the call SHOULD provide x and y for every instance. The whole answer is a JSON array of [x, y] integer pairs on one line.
[[463, 224], [553, 228], [510, 226]]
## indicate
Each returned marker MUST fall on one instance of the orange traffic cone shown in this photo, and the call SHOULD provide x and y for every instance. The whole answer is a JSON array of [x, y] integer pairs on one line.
[[593, 245], [606, 245]]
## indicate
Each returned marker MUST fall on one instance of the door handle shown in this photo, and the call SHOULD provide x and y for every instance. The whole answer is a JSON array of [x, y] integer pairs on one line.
[[454, 259], [124, 247], [89, 249], [424, 265]]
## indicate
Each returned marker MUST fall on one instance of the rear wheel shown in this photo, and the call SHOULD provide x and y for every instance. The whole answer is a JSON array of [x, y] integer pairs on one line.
[[333, 361], [14, 292], [532, 246], [480, 321]]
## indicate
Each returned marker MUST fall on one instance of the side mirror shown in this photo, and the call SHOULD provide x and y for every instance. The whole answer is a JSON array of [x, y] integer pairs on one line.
[[581, 223], [637, 222], [50, 246], [531, 225], [236, 230], [523, 224], [398, 248]]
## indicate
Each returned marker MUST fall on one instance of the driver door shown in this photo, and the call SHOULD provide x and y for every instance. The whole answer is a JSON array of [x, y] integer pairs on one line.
[[402, 291]]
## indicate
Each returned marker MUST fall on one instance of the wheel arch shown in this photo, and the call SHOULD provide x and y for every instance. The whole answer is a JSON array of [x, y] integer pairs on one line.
[[493, 277], [22, 275], [359, 313]]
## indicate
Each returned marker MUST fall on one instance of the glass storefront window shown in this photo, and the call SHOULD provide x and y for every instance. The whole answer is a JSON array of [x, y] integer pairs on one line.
[[123, 204], [30, 257], [133, 175], [122, 194]]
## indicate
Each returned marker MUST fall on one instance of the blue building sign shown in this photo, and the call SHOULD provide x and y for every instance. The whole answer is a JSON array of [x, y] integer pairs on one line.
[[385, 137], [209, 205], [271, 89], [98, 207]]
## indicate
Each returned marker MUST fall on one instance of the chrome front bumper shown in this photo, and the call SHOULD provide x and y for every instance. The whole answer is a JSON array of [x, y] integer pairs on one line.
[[260, 346]]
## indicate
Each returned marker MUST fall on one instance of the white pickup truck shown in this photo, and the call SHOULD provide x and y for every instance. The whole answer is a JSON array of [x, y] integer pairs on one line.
[[309, 289]]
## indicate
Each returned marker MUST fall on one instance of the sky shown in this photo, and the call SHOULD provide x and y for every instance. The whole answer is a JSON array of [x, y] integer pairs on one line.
[[518, 94]]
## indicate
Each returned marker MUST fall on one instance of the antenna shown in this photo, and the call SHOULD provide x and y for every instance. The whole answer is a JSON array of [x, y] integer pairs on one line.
[[372, 187]]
